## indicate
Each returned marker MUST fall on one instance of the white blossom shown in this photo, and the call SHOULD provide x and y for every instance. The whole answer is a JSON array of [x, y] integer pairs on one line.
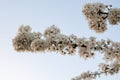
[[52, 30], [39, 45], [114, 16], [23, 41], [23, 29]]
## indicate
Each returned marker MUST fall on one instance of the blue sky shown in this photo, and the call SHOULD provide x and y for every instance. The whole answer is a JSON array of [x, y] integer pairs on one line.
[[40, 14]]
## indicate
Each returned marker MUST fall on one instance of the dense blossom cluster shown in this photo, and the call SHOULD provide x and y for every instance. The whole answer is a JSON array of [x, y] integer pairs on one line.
[[110, 68], [88, 75], [24, 38], [97, 15], [53, 40], [114, 16], [106, 69], [50, 31]]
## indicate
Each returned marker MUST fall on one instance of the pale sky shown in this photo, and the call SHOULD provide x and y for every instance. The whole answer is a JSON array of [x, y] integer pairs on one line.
[[40, 14]]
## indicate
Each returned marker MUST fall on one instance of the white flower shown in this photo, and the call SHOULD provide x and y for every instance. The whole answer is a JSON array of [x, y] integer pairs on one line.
[[84, 76], [109, 55], [37, 35], [104, 67], [52, 30], [114, 16], [38, 45], [22, 42], [23, 28]]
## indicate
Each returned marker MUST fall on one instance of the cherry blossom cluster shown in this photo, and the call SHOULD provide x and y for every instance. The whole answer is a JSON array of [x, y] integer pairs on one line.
[[97, 15], [106, 69], [88, 75], [53, 40], [114, 16], [111, 69]]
